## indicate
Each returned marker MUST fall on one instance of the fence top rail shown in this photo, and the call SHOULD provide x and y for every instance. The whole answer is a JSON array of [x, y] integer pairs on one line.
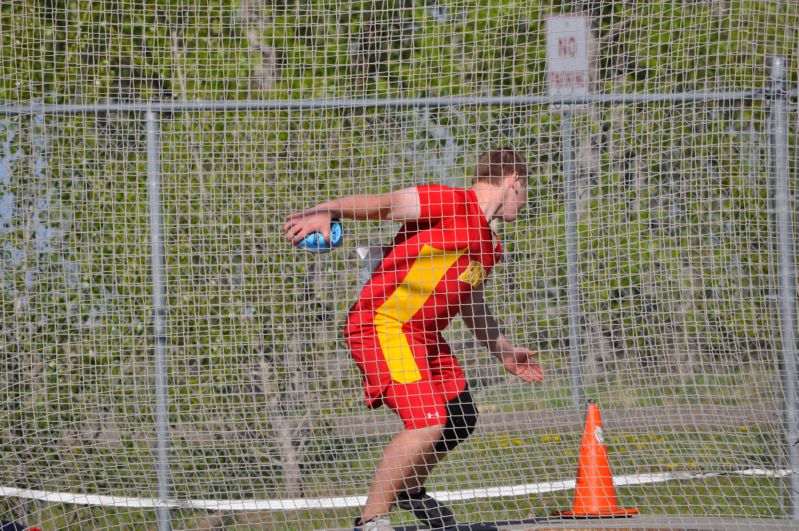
[[333, 103]]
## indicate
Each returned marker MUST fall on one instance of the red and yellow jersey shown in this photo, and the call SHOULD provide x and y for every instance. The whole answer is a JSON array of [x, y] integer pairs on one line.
[[394, 329], [435, 263]]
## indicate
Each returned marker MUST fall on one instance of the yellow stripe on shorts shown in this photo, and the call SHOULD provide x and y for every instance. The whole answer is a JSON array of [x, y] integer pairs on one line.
[[409, 297]]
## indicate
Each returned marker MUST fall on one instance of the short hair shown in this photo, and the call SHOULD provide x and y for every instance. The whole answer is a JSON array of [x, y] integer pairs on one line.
[[497, 163]]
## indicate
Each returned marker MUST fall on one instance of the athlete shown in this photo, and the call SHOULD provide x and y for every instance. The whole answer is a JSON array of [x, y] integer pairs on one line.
[[435, 270]]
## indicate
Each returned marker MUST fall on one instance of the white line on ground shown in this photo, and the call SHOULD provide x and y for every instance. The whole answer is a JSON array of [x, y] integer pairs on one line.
[[355, 501]]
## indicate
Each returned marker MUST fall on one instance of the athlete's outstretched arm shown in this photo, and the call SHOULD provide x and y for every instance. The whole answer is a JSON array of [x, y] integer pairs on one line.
[[400, 205], [516, 360]]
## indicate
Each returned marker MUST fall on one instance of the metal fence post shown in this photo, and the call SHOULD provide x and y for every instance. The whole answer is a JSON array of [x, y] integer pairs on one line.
[[786, 268], [159, 315], [572, 257]]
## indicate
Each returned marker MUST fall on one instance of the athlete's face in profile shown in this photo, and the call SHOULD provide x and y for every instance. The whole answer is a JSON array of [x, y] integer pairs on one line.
[[515, 197]]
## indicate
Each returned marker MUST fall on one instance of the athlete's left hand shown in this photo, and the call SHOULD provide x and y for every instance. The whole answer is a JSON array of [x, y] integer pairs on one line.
[[520, 361]]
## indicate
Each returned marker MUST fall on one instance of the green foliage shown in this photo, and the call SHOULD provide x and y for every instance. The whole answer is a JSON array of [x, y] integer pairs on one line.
[[676, 257], [98, 50]]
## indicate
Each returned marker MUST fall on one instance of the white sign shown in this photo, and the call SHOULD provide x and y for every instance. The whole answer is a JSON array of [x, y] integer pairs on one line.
[[567, 55]]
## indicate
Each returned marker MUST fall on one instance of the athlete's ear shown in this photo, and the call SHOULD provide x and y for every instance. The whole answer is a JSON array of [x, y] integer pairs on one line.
[[512, 179]]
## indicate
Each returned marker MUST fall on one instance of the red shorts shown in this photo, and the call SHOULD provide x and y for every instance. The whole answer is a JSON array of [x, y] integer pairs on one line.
[[413, 374]]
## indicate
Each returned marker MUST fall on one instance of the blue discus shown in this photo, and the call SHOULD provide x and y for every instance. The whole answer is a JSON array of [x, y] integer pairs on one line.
[[315, 242]]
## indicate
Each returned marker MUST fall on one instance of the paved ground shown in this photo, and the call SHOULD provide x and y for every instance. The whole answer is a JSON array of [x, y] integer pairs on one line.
[[649, 420], [635, 523], [658, 523]]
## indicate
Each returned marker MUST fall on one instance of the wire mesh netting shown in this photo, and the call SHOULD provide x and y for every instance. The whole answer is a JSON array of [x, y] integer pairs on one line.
[[679, 327]]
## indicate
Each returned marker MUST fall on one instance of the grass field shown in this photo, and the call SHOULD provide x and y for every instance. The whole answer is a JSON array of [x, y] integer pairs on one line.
[[524, 458], [689, 430]]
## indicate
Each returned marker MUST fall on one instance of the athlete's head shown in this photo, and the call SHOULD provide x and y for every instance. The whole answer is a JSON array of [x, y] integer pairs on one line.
[[506, 169]]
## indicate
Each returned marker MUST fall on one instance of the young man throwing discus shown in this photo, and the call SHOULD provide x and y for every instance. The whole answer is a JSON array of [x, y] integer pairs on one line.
[[434, 271]]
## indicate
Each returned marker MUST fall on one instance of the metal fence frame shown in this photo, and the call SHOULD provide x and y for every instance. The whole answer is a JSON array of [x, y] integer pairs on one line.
[[778, 95]]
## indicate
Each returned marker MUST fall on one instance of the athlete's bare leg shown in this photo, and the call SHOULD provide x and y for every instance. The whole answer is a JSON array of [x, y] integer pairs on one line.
[[405, 456], [423, 470]]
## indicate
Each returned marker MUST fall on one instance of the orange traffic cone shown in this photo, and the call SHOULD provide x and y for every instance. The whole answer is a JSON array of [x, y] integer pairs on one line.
[[594, 495]]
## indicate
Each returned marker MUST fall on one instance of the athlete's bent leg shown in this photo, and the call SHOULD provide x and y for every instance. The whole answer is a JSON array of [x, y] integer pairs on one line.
[[462, 417], [461, 421], [397, 468]]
